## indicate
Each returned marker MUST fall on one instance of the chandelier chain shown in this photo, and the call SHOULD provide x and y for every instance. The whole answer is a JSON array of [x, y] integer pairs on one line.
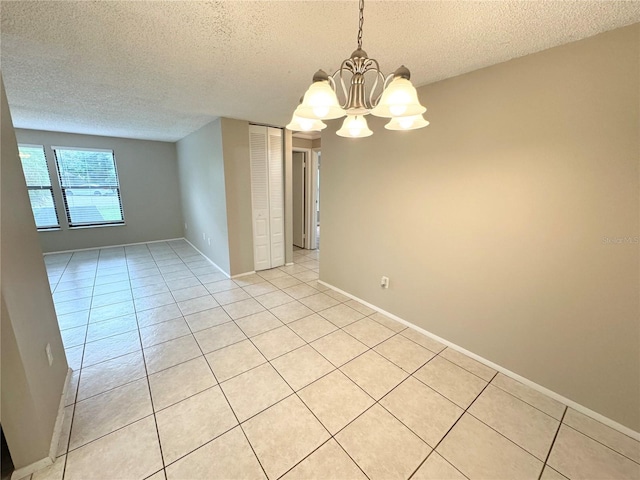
[[361, 23]]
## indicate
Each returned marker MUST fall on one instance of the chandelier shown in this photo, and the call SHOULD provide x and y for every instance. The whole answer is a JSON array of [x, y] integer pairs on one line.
[[393, 97]]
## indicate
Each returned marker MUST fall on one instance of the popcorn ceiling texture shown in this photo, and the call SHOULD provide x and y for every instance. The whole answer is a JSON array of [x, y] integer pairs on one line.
[[160, 70]]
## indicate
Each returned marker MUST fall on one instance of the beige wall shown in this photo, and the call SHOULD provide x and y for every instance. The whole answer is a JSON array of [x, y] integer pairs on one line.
[[31, 389], [301, 142], [237, 174], [202, 186], [490, 222], [306, 143], [148, 174], [215, 179]]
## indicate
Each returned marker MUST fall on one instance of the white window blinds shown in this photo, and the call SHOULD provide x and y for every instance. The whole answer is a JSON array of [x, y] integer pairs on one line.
[[90, 186], [36, 173]]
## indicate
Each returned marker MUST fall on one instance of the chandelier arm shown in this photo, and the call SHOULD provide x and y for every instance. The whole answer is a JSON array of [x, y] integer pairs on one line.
[[387, 80], [332, 82], [372, 65], [373, 102], [348, 66], [385, 84]]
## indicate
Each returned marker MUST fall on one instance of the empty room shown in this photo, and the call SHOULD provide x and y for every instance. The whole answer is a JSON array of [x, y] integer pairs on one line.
[[326, 240]]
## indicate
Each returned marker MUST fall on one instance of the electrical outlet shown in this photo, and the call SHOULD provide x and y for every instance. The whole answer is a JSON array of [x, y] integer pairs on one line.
[[49, 354], [384, 282], [209, 241], [204, 236], [186, 227]]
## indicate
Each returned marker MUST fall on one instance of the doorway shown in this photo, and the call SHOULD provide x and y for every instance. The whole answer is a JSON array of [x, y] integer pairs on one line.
[[299, 174], [306, 198]]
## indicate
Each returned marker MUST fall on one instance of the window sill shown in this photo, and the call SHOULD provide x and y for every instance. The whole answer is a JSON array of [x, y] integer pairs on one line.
[[56, 229], [85, 227]]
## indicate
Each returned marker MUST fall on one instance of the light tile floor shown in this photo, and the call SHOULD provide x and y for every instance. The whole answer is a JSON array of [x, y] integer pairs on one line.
[[180, 372]]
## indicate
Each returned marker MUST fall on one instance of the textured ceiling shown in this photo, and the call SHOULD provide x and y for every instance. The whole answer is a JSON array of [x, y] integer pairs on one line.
[[160, 70]]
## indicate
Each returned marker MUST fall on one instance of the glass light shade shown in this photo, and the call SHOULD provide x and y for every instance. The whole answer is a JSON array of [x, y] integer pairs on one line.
[[320, 102], [300, 124], [407, 123], [399, 99], [354, 126]]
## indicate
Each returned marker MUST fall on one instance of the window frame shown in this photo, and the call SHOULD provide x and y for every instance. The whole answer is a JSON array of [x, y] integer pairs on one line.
[[57, 226], [77, 225]]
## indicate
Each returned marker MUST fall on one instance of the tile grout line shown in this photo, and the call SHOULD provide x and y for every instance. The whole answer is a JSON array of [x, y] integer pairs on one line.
[[603, 444], [239, 424], [491, 427], [331, 436], [73, 414], [451, 428], [167, 341], [544, 463], [288, 396], [104, 435], [294, 392], [378, 402], [230, 408], [532, 406], [120, 428], [62, 272], [144, 361]]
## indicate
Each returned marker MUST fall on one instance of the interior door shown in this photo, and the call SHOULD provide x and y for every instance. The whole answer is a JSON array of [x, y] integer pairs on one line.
[[260, 197], [298, 182], [276, 196]]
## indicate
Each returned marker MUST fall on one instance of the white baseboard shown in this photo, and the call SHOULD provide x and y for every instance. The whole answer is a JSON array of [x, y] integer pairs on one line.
[[550, 393], [243, 274], [112, 246], [207, 258], [31, 468], [238, 275], [57, 429], [55, 438]]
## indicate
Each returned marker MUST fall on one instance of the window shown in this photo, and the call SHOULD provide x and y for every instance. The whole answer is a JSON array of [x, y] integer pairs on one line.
[[36, 173], [90, 187]]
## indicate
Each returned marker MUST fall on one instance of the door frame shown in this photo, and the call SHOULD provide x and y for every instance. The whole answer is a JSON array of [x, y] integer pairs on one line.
[[307, 156], [310, 195], [312, 213]]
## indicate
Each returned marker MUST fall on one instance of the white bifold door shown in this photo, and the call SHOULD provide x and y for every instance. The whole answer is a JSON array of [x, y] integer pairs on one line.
[[267, 196]]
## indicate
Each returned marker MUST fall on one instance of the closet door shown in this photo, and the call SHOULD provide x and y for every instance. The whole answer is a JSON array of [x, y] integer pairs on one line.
[[276, 197], [259, 154]]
